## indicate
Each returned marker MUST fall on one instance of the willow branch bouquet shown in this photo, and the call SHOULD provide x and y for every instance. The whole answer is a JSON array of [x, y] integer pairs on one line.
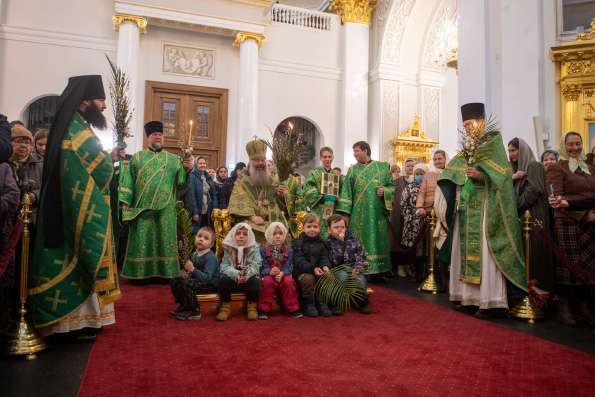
[[120, 101]]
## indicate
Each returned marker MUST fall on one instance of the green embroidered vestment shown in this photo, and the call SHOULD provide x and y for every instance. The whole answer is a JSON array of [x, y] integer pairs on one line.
[[369, 213], [62, 278], [502, 223], [148, 186], [315, 200]]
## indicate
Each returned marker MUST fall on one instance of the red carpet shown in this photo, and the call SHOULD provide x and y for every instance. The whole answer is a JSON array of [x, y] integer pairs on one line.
[[406, 348]]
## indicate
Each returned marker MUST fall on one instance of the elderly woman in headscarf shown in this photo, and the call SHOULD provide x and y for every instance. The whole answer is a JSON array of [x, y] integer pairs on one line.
[[240, 270], [412, 224], [531, 193], [572, 182]]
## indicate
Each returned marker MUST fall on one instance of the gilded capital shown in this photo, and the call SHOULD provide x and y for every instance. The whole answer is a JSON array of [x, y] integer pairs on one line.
[[119, 19], [571, 92], [588, 35], [354, 11], [243, 36]]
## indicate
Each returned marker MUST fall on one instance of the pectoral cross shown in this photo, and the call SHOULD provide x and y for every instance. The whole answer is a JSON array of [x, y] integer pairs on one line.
[[92, 214], [56, 300], [76, 191]]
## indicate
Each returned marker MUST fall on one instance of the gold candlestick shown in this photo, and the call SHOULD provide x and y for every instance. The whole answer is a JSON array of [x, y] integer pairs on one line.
[[430, 284], [20, 338], [190, 134], [525, 308]]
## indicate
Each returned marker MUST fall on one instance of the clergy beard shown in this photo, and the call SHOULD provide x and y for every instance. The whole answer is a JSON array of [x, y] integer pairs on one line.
[[259, 176], [94, 117], [156, 146]]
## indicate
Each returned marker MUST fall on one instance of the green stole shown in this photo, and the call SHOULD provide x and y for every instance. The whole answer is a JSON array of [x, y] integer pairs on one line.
[[61, 279], [368, 212], [502, 224], [314, 199]]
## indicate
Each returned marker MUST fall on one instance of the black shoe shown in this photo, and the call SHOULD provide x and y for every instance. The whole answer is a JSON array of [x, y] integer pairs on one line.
[[263, 316], [324, 310], [86, 334], [297, 314], [482, 314], [177, 310], [311, 310], [194, 315]]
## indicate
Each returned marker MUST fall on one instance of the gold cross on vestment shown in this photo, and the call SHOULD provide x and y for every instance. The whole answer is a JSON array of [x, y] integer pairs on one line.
[[79, 291], [84, 157], [56, 300], [92, 214], [62, 262], [76, 191], [100, 235]]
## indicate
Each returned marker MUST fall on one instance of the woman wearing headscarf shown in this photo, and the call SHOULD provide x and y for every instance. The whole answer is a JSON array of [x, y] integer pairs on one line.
[[572, 182], [528, 179]]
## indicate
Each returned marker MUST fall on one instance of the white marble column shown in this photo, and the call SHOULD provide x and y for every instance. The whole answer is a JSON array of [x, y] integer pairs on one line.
[[247, 124], [353, 126], [354, 121], [129, 30]]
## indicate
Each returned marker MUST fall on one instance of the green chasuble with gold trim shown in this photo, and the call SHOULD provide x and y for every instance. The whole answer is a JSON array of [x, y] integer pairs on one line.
[[148, 186], [502, 223], [293, 201], [248, 200], [369, 213], [62, 278], [318, 202]]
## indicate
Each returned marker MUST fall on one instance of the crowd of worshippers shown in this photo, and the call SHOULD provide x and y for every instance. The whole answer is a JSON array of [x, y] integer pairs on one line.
[[128, 203]]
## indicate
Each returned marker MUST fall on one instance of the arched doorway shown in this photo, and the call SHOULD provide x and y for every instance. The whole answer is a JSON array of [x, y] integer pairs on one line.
[[40, 113], [309, 134]]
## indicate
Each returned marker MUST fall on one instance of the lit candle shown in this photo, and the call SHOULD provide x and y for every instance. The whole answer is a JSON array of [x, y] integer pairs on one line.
[[190, 134]]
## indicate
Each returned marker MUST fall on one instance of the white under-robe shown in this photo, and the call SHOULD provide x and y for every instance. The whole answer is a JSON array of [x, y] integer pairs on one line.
[[90, 314], [491, 293]]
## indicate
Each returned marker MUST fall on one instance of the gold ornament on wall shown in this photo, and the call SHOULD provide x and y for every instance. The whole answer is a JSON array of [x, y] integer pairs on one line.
[[413, 144], [354, 11], [576, 63]]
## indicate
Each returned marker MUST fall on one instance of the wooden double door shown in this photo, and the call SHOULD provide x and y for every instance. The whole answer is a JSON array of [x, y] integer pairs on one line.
[[177, 105]]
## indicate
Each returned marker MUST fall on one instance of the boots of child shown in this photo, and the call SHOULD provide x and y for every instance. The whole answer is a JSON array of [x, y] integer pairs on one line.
[[224, 311], [251, 311]]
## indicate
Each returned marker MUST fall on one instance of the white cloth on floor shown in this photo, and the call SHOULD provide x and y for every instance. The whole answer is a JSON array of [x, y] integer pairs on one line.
[[90, 314], [491, 293]]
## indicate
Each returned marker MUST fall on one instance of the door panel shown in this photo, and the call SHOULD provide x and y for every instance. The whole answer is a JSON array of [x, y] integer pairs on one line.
[[176, 104]]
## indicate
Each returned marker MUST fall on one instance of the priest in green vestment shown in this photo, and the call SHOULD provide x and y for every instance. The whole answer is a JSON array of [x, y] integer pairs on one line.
[[255, 198], [366, 196], [292, 202], [148, 193], [73, 277], [477, 204], [321, 189]]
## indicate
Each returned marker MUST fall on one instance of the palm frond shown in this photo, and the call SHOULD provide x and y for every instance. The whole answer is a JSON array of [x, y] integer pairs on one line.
[[184, 233], [343, 294], [120, 102], [287, 147]]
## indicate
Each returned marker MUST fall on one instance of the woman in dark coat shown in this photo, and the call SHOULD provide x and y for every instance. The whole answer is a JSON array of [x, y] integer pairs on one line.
[[531, 193]]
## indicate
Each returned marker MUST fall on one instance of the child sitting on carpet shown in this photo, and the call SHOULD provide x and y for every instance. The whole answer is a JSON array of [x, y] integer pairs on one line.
[[345, 249], [200, 275], [310, 261], [240, 269], [277, 265]]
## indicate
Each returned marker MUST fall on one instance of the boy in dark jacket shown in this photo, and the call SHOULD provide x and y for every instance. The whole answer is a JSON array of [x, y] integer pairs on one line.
[[200, 275], [310, 261]]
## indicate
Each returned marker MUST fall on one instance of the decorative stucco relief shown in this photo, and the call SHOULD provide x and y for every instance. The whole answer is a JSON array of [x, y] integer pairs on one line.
[[390, 117], [189, 61], [431, 111], [441, 35], [393, 34]]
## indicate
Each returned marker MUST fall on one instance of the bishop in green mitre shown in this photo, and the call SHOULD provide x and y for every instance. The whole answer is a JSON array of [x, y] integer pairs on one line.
[[476, 202], [73, 279], [148, 194], [255, 198], [366, 196], [321, 189]]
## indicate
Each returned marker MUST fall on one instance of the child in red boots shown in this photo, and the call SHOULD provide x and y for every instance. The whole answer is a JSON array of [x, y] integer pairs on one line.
[[277, 266]]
